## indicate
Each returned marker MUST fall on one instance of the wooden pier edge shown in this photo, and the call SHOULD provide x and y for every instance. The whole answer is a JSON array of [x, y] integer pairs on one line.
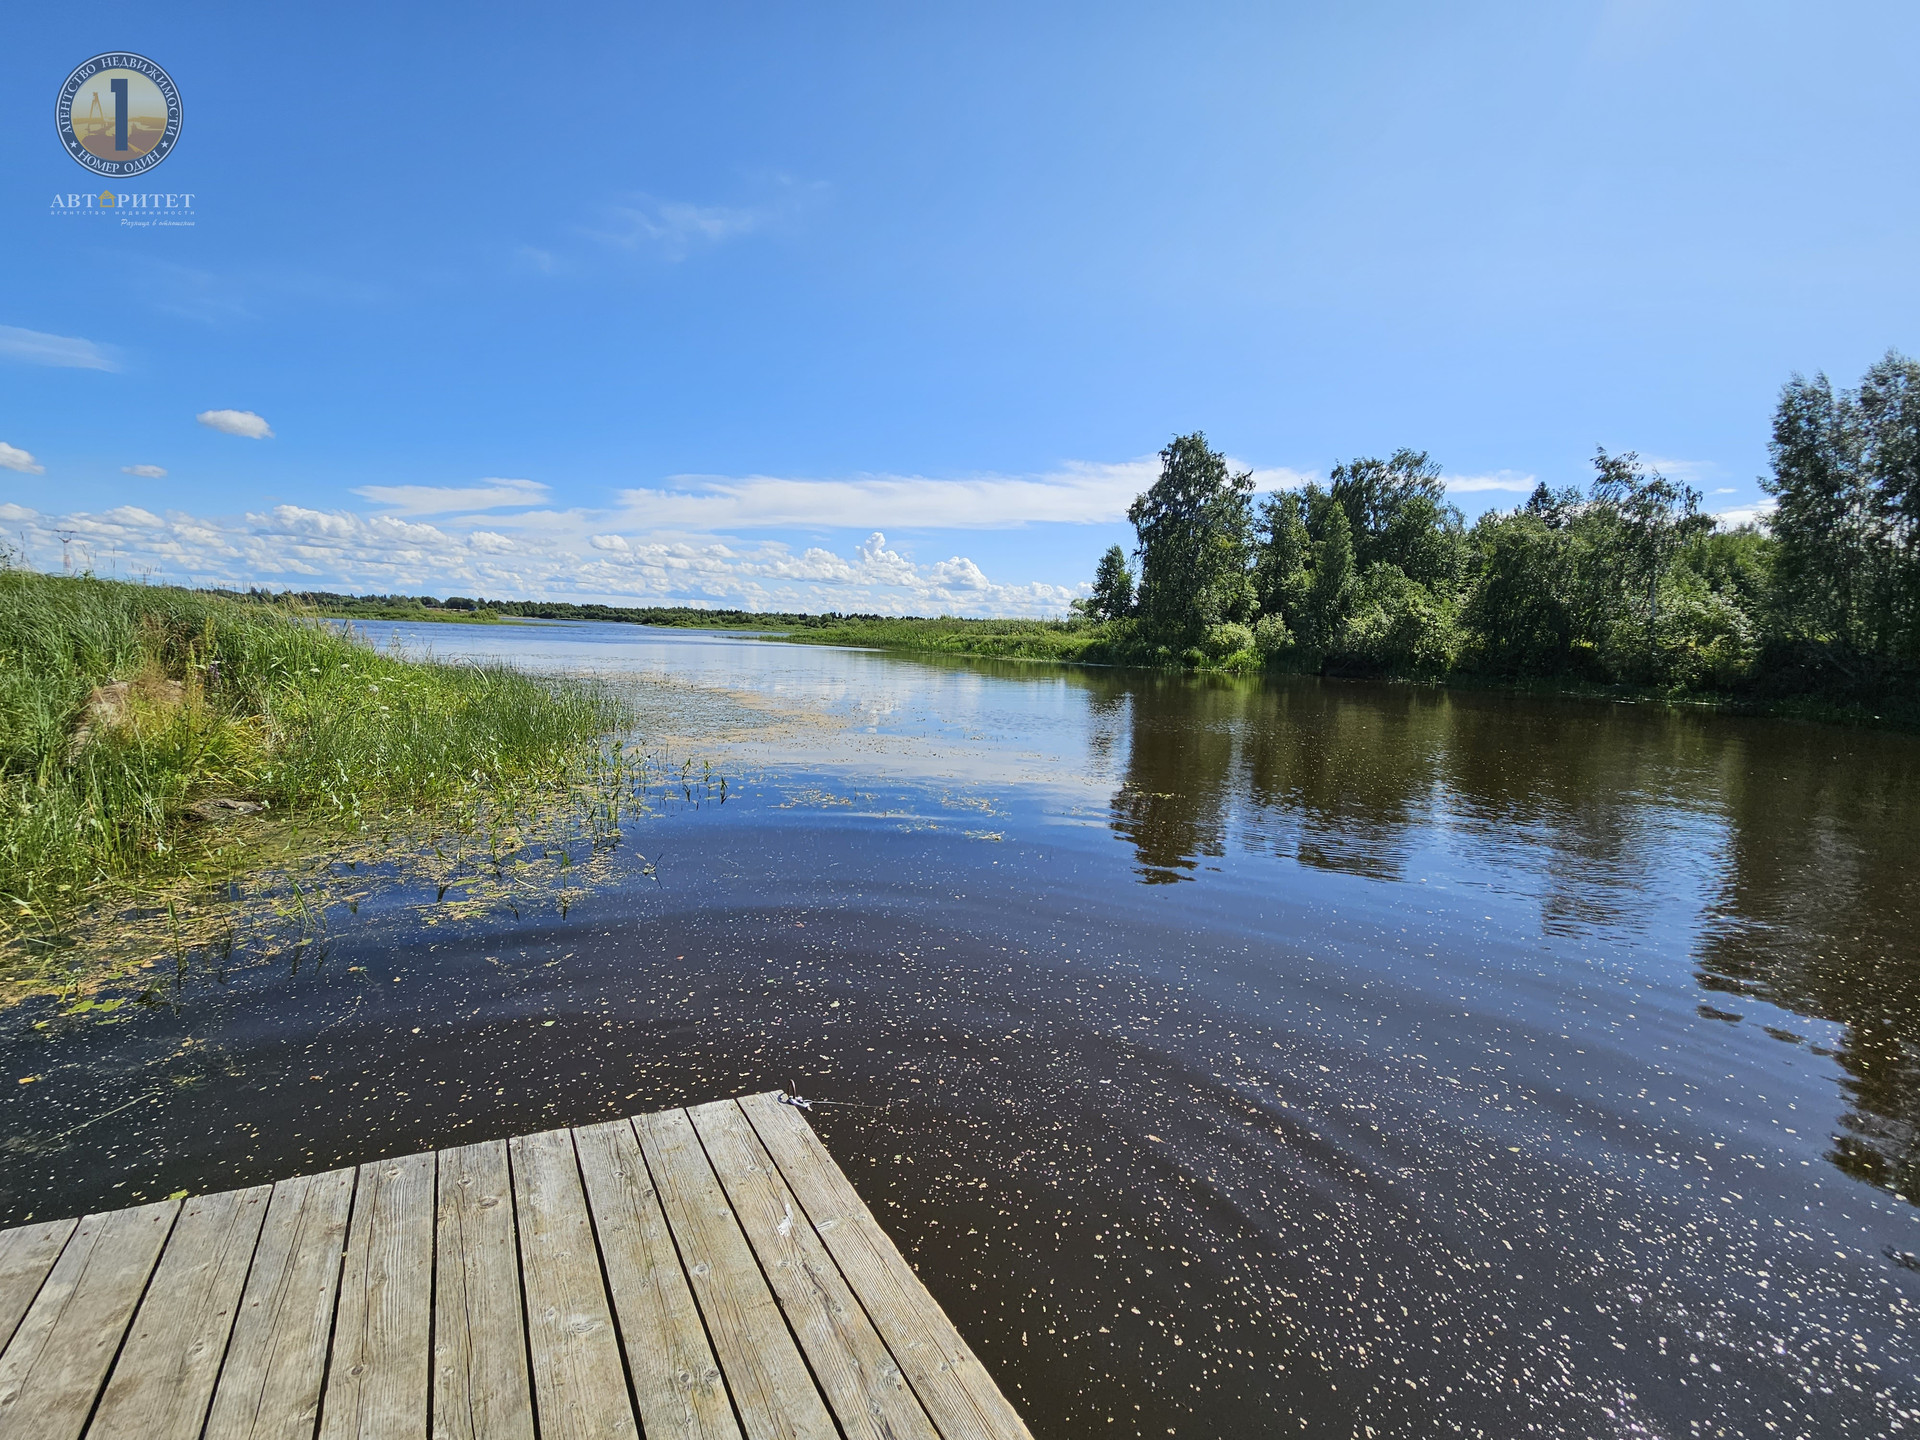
[[707, 1272]]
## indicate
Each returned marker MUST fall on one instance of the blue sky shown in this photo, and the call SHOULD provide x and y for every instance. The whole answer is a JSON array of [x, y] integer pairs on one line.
[[693, 303]]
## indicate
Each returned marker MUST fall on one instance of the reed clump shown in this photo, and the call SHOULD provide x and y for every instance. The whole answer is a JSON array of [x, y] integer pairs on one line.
[[136, 720]]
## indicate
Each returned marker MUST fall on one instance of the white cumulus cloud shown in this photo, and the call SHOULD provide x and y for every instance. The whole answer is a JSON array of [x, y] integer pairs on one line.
[[1498, 480], [1757, 514], [12, 457], [698, 540], [1079, 493], [959, 573], [488, 494], [556, 556], [243, 423], [1691, 471], [145, 472], [35, 347]]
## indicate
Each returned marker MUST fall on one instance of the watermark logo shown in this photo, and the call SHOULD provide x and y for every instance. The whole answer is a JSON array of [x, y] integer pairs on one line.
[[140, 211], [118, 114]]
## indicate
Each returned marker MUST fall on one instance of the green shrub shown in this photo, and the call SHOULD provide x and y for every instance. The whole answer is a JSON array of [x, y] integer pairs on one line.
[[1228, 638], [1398, 627], [1701, 640], [1709, 643], [1272, 639]]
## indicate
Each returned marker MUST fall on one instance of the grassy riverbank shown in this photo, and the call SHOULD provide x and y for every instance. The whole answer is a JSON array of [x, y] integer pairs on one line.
[[1103, 642], [419, 614], [137, 721], [1068, 640]]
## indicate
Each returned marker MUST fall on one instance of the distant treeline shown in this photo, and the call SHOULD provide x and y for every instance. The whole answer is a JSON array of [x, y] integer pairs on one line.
[[389, 607], [1626, 583]]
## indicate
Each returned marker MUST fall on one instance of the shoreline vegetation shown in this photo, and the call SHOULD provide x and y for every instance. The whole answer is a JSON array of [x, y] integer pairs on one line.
[[1884, 700], [1624, 591], [152, 737]]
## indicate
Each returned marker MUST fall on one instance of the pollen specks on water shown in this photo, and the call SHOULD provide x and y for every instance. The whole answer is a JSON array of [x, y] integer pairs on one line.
[[1228, 1059]]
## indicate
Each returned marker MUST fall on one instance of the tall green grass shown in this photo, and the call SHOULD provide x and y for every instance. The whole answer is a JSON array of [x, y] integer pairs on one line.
[[263, 704]]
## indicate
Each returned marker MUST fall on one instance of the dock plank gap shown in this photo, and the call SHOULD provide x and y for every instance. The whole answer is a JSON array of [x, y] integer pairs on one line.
[[698, 1274]]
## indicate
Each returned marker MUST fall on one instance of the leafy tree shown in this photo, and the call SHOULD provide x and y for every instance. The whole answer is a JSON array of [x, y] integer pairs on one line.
[[1399, 515], [1736, 564], [1554, 507], [1640, 522], [1112, 597], [1821, 517], [1282, 575], [1196, 537], [1846, 475], [1888, 405], [1330, 595], [1519, 612]]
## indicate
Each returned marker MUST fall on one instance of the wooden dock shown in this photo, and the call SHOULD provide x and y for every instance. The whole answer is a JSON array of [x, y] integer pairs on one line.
[[706, 1272]]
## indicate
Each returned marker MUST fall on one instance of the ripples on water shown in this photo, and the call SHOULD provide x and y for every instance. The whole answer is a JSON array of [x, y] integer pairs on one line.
[[1232, 1058]]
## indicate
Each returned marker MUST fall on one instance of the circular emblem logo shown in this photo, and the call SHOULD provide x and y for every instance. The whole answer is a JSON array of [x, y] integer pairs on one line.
[[118, 114]]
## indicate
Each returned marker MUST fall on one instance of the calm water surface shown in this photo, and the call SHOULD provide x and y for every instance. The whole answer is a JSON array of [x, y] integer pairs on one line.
[[1233, 1058]]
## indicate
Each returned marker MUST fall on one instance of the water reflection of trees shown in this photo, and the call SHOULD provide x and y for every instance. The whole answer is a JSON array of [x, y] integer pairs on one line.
[[1817, 915], [1174, 802], [1797, 836], [1296, 770], [1354, 778]]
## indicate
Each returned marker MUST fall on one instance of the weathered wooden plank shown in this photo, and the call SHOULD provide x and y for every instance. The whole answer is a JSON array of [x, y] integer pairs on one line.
[[771, 1387], [862, 1383], [27, 1253], [691, 1216], [269, 1388], [952, 1384], [378, 1378], [54, 1367], [676, 1381], [579, 1382], [480, 1388], [163, 1381]]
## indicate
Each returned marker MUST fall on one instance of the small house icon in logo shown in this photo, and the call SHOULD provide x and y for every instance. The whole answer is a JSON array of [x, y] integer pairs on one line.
[[108, 200]]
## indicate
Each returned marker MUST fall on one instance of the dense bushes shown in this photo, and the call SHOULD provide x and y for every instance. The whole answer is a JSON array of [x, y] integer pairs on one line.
[[1626, 582]]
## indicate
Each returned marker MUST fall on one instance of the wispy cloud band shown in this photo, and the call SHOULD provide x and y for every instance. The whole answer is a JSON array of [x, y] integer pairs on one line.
[[675, 229], [1079, 493], [1507, 480], [488, 494], [36, 347]]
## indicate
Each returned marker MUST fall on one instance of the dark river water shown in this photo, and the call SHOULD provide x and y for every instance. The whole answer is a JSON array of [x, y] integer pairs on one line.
[[1233, 1058]]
